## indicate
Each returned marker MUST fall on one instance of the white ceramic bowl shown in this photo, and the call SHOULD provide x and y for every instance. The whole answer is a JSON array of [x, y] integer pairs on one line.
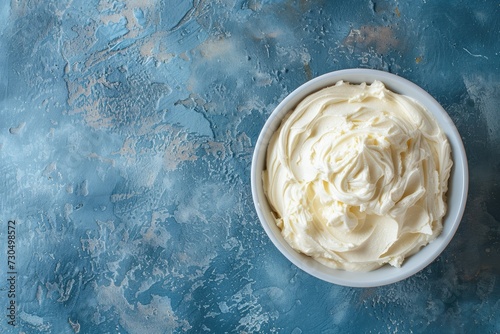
[[457, 192]]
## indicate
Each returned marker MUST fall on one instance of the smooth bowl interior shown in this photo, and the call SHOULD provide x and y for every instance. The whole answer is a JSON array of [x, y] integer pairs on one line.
[[456, 195]]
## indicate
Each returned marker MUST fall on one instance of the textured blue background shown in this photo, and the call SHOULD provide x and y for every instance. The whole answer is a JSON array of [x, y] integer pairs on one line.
[[126, 135]]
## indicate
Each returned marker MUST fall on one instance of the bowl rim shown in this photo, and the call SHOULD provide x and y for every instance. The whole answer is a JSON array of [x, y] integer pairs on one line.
[[456, 195]]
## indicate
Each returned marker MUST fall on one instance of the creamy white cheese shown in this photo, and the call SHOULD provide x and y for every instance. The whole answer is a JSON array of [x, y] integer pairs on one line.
[[357, 176]]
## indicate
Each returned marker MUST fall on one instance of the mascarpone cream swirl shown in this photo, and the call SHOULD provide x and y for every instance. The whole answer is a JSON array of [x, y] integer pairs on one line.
[[357, 176]]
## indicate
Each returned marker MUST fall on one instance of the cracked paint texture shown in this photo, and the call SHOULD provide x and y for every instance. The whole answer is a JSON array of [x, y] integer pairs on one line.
[[127, 129]]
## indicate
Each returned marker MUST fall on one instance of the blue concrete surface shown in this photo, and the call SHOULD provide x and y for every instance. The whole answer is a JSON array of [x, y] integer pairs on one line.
[[126, 135]]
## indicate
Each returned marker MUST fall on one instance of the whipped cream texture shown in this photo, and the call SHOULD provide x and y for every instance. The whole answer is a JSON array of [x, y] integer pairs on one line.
[[357, 175]]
